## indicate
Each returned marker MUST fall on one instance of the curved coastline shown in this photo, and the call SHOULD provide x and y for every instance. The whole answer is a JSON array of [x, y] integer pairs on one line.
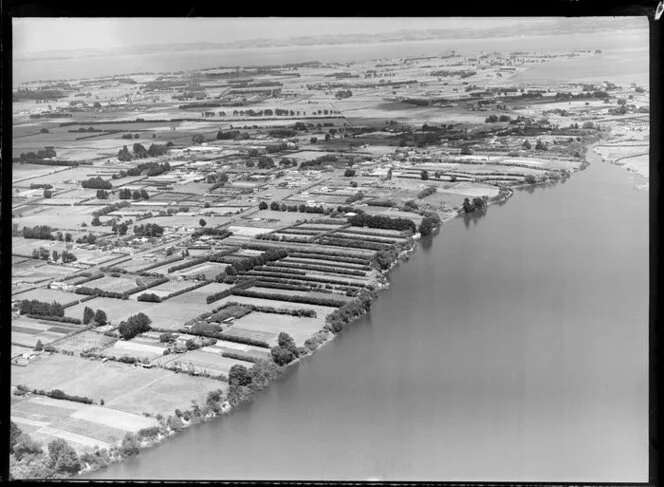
[[226, 408]]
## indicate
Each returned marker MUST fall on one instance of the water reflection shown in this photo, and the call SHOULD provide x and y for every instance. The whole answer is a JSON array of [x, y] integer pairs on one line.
[[473, 217], [551, 183], [427, 242]]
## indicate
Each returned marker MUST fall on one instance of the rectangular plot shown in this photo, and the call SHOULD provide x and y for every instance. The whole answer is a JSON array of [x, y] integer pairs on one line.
[[208, 360], [253, 334], [299, 328], [108, 434], [84, 441], [114, 418], [136, 349], [24, 339], [29, 331]]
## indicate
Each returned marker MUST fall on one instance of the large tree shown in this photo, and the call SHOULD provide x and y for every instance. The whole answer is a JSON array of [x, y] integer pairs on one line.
[[100, 317], [238, 374], [88, 314], [63, 457]]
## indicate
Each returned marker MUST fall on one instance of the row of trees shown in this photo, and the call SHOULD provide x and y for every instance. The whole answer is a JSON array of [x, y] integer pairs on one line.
[[135, 325], [140, 152], [496, 118], [249, 263], [302, 208], [41, 308], [478, 204], [148, 230], [42, 232], [96, 183], [126, 193], [43, 254], [383, 222], [151, 168], [45, 153]]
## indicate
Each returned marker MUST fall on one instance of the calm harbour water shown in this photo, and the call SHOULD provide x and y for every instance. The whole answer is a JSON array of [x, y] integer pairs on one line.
[[513, 347]]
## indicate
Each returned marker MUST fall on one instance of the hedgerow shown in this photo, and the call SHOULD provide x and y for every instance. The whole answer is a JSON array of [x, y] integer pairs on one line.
[[291, 299], [240, 356], [282, 266], [59, 319], [58, 394]]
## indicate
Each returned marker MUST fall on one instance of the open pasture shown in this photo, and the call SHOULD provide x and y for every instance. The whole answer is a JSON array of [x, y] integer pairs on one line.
[[50, 295], [268, 337], [25, 172], [298, 327], [197, 296], [116, 309], [212, 363], [68, 218], [123, 387], [114, 284], [189, 219], [43, 273], [209, 269]]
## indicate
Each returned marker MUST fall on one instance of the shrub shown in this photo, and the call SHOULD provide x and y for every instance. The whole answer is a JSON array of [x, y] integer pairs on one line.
[[238, 355], [243, 340], [149, 297], [426, 192], [59, 319]]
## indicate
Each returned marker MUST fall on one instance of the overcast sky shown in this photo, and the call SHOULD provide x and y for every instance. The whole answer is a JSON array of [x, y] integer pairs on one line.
[[35, 35]]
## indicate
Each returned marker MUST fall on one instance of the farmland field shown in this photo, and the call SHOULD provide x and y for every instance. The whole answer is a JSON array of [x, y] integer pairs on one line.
[[264, 336], [209, 269], [134, 349], [297, 327], [116, 309], [123, 387], [50, 295], [84, 341], [321, 311], [211, 362]]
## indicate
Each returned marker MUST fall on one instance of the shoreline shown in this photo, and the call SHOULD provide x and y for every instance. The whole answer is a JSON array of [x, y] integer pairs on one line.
[[383, 283], [227, 408]]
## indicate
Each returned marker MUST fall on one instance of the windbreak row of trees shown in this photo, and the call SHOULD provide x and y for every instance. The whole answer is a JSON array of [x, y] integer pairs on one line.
[[126, 193], [140, 152], [46, 153], [383, 222]]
